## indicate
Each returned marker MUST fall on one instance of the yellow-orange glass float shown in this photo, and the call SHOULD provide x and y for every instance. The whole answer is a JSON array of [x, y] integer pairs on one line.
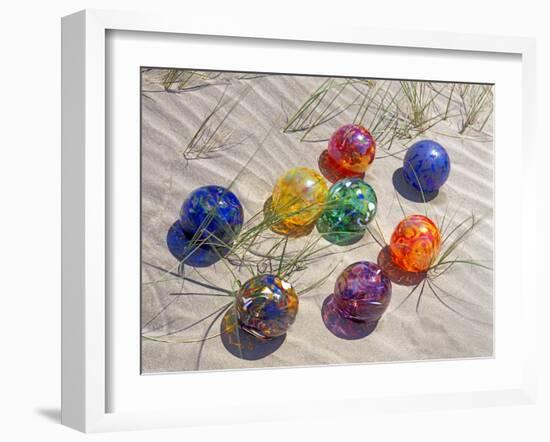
[[298, 199]]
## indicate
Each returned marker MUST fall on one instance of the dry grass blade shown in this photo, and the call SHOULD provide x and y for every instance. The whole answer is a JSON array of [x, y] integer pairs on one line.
[[212, 135], [476, 106], [182, 79], [322, 105]]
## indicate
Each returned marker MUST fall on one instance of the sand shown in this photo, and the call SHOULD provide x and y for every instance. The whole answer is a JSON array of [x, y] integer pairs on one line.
[[169, 120]]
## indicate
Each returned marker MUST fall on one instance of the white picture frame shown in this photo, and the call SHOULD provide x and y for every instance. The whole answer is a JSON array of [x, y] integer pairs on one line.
[[86, 316]]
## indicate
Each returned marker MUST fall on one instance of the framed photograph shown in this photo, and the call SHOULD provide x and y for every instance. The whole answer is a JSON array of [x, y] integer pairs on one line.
[[307, 217]]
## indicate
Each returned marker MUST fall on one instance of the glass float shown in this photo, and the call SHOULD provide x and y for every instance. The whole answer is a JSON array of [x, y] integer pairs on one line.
[[298, 199], [415, 243], [362, 292], [350, 207], [351, 150], [210, 219], [266, 306], [213, 214], [426, 166]]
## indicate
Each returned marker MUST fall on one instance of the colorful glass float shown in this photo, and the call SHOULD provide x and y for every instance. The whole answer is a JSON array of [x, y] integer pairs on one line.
[[351, 150], [350, 207], [298, 199], [266, 306], [415, 243], [426, 166], [210, 219], [362, 292]]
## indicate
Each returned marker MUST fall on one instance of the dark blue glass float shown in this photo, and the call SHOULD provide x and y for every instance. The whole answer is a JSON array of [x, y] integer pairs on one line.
[[214, 212], [426, 166], [210, 219]]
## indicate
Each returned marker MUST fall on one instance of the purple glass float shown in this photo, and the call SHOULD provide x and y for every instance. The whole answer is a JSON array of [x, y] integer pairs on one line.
[[362, 294]]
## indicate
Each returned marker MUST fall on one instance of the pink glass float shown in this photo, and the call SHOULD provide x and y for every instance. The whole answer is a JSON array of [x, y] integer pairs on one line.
[[351, 150]]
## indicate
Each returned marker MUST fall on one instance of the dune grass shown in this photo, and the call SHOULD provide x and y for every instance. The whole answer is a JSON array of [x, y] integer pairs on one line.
[[214, 133], [476, 106], [320, 107], [182, 79], [394, 112]]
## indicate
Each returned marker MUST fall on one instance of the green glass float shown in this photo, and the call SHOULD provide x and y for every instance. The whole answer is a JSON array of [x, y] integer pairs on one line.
[[351, 206]]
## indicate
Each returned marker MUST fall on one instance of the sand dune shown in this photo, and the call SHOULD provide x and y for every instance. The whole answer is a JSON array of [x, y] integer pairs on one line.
[[169, 120]]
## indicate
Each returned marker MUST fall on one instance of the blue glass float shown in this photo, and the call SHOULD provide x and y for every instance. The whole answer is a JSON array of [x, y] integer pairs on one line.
[[266, 306], [193, 254], [212, 213], [210, 219], [426, 166], [350, 207]]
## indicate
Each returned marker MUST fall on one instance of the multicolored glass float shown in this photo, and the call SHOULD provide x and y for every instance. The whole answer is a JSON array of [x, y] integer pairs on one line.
[[351, 150], [362, 292], [350, 207], [266, 306], [426, 166], [210, 219], [298, 199], [415, 243]]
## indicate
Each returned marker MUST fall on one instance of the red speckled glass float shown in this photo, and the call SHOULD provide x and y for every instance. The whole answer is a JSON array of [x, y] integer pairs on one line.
[[350, 152]]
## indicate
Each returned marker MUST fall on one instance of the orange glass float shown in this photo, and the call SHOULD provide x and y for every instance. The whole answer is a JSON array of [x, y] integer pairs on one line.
[[415, 243]]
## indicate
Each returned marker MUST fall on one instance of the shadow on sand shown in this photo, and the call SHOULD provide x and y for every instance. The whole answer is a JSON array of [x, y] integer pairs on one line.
[[342, 327], [409, 192], [395, 273], [242, 344]]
